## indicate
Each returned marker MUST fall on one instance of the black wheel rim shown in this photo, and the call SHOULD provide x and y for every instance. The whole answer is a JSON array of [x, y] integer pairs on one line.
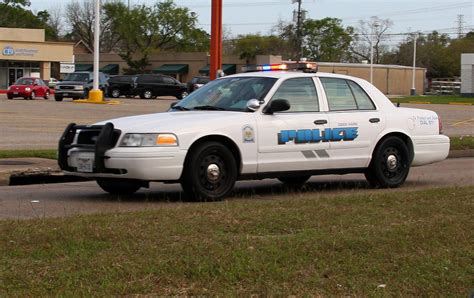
[[213, 175], [392, 163]]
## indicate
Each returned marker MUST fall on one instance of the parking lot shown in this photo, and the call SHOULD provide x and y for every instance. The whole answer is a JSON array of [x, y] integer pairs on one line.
[[38, 124]]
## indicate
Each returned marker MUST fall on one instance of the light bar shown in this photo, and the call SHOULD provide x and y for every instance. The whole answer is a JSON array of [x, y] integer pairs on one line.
[[305, 67]]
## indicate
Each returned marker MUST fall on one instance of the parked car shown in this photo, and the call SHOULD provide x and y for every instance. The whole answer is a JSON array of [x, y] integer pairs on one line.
[[28, 88], [121, 85], [77, 85], [288, 125], [152, 85], [197, 82], [52, 82]]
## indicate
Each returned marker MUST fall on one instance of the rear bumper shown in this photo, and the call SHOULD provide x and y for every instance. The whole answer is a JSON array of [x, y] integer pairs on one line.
[[430, 149]]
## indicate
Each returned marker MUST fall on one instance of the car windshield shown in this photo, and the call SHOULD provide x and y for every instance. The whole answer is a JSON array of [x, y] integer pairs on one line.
[[24, 81], [78, 77], [227, 94]]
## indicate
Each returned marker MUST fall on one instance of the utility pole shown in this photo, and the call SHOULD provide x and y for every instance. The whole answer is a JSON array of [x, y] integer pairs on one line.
[[375, 25], [216, 39], [413, 87], [460, 23], [298, 17]]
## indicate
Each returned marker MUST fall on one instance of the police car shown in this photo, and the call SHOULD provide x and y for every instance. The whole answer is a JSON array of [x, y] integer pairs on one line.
[[274, 123]]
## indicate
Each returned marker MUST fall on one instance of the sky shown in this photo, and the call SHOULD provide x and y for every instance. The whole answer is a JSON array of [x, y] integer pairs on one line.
[[260, 16]]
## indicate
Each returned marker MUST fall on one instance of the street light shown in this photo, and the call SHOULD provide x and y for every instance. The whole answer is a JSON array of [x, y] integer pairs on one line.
[[413, 87], [374, 25]]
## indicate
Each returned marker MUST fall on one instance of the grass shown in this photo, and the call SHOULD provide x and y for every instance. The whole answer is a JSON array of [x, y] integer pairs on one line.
[[417, 243], [462, 143], [45, 153], [434, 99]]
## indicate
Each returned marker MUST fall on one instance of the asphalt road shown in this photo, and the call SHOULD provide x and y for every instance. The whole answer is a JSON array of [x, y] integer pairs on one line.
[[58, 200], [38, 124]]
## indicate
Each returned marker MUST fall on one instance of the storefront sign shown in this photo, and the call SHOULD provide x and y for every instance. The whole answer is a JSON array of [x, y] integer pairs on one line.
[[67, 67], [8, 51], [19, 52]]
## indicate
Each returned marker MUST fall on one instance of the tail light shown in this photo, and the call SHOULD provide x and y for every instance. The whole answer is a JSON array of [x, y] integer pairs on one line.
[[440, 125]]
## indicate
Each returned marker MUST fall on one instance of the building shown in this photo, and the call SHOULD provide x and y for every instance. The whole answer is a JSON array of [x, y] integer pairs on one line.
[[467, 74], [26, 53]]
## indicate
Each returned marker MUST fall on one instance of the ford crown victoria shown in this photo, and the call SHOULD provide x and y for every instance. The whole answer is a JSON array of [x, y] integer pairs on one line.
[[276, 124]]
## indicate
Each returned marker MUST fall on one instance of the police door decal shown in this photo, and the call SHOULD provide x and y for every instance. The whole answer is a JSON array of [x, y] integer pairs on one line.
[[305, 136]]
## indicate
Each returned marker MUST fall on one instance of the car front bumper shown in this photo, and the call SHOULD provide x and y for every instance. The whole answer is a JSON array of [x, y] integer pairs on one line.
[[69, 93], [19, 93]]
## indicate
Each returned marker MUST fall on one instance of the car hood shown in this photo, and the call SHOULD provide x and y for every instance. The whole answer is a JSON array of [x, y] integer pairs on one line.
[[181, 122], [71, 83]]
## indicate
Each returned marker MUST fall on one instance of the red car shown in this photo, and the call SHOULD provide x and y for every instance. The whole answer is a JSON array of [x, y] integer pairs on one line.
[[28, 88]]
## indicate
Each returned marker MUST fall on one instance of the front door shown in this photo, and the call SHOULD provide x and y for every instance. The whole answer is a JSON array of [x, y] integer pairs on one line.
[[14, 74], [295, 139]]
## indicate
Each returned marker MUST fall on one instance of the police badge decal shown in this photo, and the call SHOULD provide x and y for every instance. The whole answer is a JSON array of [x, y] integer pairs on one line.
[[248, 134]]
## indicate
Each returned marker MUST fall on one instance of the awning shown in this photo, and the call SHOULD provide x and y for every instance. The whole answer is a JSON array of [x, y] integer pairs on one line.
[[228, 69], [84, 67], [172, 69], [111, 69]]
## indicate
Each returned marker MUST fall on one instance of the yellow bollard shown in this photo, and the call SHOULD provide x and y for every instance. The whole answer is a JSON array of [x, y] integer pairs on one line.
[[97, 97]]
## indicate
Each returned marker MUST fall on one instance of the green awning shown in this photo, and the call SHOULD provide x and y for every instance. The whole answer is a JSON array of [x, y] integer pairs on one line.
[[228, 69], [111, 69], [172, 69], [84, 67]]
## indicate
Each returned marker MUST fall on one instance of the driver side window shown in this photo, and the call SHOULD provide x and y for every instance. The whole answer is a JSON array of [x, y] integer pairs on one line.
[[300, 93]]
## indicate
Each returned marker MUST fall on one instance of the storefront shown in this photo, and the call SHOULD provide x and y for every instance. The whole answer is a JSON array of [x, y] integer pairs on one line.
[[24, 52]]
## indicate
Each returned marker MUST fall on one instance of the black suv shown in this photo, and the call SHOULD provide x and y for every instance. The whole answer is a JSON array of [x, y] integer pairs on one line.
[[122, 85], [151, 85], [197, 82]]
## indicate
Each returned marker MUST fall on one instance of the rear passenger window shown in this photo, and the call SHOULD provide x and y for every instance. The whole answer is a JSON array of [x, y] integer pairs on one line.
[[345, 95], [300, 93]]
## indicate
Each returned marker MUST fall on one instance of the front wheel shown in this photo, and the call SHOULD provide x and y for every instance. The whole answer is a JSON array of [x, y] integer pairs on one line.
[[58, 98], [182, 95], [390, 164], [146, 94], [119, 186], [209, 172], [115, 93]]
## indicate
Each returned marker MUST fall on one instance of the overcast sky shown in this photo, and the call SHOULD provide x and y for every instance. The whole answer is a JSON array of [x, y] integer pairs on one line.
[[259, 16]]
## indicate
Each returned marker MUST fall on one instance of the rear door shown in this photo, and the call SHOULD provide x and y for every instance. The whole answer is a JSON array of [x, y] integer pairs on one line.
[[294, 140], [355, 122]]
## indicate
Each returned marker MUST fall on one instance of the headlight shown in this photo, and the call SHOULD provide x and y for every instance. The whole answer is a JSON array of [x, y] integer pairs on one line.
[[78, 87], [27, 89], [148, 140]]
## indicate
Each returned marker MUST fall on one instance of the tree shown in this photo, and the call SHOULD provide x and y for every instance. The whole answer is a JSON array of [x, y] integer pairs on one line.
[[143, 29], [15, 14], [326, 40], [250, 45], [372, 32], [81, 17]]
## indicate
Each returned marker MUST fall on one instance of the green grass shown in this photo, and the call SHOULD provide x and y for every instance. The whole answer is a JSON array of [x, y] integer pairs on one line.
[[417, 243], [46, 153], [462, 143], [434, 99]]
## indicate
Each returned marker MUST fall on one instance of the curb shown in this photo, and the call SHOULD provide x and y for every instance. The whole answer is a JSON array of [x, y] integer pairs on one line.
[[49, 176]]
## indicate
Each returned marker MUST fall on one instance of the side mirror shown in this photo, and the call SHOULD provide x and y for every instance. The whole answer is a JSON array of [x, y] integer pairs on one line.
[[277, 105], [253, 104]]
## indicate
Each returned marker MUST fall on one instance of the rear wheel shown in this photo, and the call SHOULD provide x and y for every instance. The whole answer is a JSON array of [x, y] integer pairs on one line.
[[209, 172], [295, 180], [182, 95], [146, 94], [119, 186], [390, 164]]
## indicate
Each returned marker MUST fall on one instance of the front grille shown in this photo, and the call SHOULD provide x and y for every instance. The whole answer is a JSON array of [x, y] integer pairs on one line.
[[66, 87], [90, 136]]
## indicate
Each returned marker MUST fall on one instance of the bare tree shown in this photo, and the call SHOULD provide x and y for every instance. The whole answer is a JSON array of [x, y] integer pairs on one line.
[[55, 21], [80, 15], [367, 33]]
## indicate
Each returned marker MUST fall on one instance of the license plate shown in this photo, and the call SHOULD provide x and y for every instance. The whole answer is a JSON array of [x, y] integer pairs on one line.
[[16, 93], [65, 94], [85, 163]]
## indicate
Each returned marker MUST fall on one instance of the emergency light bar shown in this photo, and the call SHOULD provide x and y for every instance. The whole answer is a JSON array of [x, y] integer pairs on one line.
[[304, 67]]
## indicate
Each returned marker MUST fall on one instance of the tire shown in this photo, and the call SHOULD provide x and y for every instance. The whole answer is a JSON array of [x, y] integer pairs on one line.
[[390, 164], [46, 94], [119, 186], [115, 93], [209, 172], [58, 98], [9, 97], [146, 94], [295, 180], [182, 95], [86, 94]]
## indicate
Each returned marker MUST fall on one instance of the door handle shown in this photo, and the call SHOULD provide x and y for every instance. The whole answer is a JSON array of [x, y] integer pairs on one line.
[[374, 120], [320, 122]]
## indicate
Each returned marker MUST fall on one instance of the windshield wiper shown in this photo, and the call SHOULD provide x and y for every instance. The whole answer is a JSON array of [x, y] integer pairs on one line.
[[179, 108], [209, 108]]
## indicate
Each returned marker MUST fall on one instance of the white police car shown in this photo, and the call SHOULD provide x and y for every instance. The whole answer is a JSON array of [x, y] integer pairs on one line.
[[276, 124]]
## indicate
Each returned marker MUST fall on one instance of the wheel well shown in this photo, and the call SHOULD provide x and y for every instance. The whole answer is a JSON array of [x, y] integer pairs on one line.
[[406, 139], [220, 139]]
